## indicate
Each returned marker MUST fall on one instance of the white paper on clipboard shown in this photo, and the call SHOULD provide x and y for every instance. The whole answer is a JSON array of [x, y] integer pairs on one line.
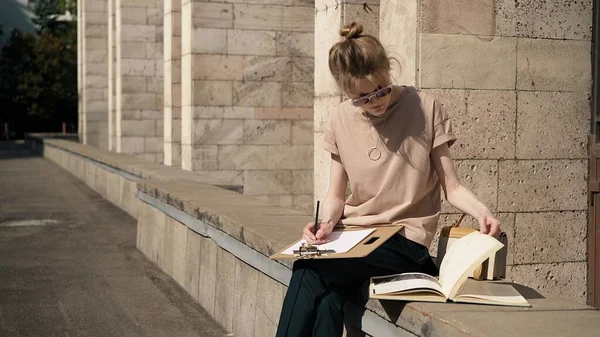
[[340, 241]]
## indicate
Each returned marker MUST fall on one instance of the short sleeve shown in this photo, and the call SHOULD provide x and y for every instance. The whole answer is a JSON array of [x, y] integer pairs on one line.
[[329, 141], [442, 126]]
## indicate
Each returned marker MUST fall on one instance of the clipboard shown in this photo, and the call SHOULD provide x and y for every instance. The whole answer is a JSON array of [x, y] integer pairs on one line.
[[367, 245]]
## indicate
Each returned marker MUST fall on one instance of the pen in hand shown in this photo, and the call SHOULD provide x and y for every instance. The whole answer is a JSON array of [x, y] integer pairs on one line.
[[316, 226]]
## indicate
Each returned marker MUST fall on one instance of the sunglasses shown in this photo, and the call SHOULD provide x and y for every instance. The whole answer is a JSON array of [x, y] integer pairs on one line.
[[368, 98]]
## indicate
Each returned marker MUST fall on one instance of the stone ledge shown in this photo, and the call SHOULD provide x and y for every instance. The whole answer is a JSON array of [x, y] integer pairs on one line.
[[267, 229]]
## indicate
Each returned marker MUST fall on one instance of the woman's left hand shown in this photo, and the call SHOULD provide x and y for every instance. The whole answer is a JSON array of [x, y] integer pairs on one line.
[[489, 225]]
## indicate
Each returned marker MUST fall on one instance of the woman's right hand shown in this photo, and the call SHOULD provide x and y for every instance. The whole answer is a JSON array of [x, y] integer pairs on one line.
[[325, 228]]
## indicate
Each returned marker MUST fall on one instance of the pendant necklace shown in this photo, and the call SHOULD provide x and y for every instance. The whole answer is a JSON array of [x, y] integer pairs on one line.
[[375, 153]]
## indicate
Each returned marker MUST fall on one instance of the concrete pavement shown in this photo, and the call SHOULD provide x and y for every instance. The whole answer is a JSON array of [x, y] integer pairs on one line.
[[69, 266]]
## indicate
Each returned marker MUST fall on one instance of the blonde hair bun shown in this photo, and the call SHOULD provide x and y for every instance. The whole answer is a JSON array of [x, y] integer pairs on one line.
[[351, 31]]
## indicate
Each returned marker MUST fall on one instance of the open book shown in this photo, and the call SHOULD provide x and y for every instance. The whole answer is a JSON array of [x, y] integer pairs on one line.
[[453, 284]]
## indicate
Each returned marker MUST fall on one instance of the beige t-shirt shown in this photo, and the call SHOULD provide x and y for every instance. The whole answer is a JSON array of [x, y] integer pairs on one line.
[[402, 186]]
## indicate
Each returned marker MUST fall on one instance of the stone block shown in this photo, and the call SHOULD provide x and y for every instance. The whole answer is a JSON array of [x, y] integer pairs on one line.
[[96, 31], [463, 61], [158, 237], [210, 41], [565, 137], [153, 144], [242, 157], [132, 144], [211, 93], [225, 289], [208, 112], [267, 132], [323, 106], [133, 85], [155, 15], [133, 16], [553, 65], [264, 68], [304, 203], [303, 69], [284, 113], [251, 42], [212, 15], [570, 20], [256, 17], [302, 133], [208, 275], [112, 188], [369, 18], [542, 185], [302, 181], [238, 112], [322, 162], [244, 304], [205, 157], [192, 263], [167, 252], [295, 44], [218, 67], [133, 67], [298, 19], [269, 299], [279, 200], [291, 157], [550, 237], [218, 131], [298, 94], [268, 182], [481, 178], [154, 50], [155, 85], [255, 93], [176, 95], [458, 17], [138, 127], [132, 50], [561, 279], [179, 244], [484, 123], [137, 33], [131, 114], [138, 101], [98, 72]]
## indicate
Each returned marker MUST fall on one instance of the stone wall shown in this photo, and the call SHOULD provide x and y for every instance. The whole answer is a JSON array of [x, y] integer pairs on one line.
[[172, 82], [93, 72], [247, 96], [515, 77], [139, 82]]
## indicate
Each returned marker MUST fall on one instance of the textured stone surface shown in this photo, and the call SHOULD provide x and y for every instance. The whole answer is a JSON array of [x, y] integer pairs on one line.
[[564, 137], [244, 305], [368, 16], [211, 93], [279, 200], [481, 178], [327, 26], [458, 17], [215, 131], [267, 132], [276, 69], [257, 93], [290, 157], [298, 94], [218, 67], [208, 274], [250, 16], [542, 185], [553, 65], [295, 44], [304, 203], [210, 41], [212, 15], [246, 157], [225, 292], [251, 42], [268, 182], [192, 263], [550, 237], [563, 279], [303, 69], [545, 19], [323, 106], [269, 298], [205, 157], [179, 237], [322, 161], [302, 181], [298, 19], [283, 113], [302, 132], [462, 61]]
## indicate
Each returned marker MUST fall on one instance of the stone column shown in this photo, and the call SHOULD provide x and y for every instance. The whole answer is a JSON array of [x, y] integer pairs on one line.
[[112, 34], [139, 83], [93, 73], [398, 32], [331, 16], [172, 83]]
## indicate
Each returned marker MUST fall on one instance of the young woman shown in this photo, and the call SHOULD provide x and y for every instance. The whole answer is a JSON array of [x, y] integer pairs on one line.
[[391, 143]]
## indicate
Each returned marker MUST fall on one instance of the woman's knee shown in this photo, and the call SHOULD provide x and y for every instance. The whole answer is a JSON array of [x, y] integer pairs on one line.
[[333, 302]]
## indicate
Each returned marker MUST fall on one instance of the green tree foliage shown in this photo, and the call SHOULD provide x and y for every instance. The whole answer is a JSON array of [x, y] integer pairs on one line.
[[38, 72]]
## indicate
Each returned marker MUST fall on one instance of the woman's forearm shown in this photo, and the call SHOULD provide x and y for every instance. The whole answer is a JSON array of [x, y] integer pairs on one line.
[[461, 198], [333, 207]]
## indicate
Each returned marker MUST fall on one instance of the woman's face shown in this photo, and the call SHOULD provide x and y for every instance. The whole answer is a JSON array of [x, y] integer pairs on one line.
[[372, 98]]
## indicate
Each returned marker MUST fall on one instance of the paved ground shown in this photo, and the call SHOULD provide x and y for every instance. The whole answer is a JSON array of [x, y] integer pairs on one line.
[[79, 273]]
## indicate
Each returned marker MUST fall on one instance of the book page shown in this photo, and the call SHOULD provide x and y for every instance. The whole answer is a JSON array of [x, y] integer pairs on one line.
[[407, 282], [463, 257], [494, 293], [339, 241]]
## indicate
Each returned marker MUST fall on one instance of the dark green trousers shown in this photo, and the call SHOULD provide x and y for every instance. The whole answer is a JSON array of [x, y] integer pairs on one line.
[[314, 303]]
